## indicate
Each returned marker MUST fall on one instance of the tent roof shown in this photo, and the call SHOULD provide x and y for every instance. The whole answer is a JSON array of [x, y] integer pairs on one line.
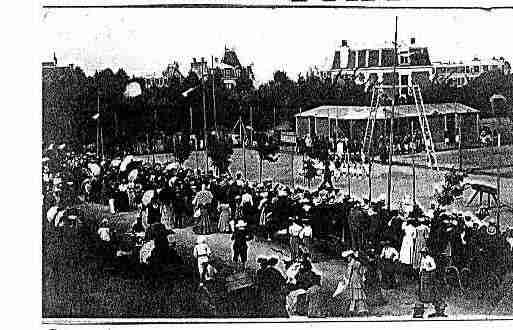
[[362, 112]]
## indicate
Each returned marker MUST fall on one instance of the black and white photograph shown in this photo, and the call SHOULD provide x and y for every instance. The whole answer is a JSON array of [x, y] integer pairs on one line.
[[255, 164]]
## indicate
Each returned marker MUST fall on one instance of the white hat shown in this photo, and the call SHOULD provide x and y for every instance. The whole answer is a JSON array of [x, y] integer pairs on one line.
[[201, 239]]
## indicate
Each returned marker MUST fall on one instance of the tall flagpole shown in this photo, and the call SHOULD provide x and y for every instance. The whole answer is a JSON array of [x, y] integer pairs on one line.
[[251, 124], [214, 96], [204, 119], [391, 141], [98, 126]]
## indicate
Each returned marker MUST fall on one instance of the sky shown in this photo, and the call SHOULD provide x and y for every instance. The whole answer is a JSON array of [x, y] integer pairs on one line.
[[145, 40]]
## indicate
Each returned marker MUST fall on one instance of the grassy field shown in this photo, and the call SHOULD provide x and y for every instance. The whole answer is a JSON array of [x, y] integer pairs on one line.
[[477, 160]]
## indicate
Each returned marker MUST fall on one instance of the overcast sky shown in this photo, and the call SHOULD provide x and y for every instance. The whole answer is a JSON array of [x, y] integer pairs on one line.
[[143, 41]]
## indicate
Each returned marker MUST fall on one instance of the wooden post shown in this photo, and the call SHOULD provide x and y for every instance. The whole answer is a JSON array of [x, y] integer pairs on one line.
[[391, 140]]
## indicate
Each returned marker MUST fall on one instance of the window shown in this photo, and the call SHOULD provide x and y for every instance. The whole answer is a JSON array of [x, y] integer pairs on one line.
[[485, 68], [467, 69], [461, 69], [476, 68], [403, 60], [404, 79]]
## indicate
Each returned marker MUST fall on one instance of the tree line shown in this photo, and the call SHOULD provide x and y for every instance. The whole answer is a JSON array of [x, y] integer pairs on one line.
[[71, 99]]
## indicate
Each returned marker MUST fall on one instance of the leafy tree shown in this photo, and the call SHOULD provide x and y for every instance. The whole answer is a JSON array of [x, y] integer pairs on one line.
[[220, 151], [182, 148], [320, 151], [267, 149]]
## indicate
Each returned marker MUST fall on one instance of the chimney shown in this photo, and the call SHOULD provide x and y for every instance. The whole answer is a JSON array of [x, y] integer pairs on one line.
[[194, 60], [412, 41], [344, 43]]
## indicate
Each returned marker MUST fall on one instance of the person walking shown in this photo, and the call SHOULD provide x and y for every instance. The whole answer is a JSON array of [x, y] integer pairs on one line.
[[202, 254]]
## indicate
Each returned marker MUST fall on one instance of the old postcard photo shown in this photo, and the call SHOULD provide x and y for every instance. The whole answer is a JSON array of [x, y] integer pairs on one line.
[[255, 164]]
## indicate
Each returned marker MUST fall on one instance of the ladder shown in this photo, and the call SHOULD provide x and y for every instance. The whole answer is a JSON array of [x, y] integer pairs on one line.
[[424, 127], [377, 93]]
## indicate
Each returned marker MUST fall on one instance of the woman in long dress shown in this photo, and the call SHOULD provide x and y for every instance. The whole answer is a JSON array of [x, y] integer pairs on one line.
[[224, 218], [356, 285], [421, 237], [407, 246], [202, 202]]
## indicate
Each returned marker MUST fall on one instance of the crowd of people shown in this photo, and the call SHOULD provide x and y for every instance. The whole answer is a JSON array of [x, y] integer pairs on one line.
[[385, 249]]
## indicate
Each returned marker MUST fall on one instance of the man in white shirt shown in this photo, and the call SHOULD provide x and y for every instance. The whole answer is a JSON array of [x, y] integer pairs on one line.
[[389, 255]]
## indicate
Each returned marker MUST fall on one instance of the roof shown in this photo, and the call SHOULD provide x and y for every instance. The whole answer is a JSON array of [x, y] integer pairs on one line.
[[362, 112], [230, 58]]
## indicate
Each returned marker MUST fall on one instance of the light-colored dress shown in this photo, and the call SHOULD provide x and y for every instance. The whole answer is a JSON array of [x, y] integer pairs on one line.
[[224, 218], [407, 247]]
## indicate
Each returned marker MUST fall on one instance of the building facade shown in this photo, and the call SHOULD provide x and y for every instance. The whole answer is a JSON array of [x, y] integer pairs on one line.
[[171, 73], [229, 67], [413, 66]]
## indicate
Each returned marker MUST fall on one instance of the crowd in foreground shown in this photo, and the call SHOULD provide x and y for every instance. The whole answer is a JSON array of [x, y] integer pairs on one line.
[[385, 249]]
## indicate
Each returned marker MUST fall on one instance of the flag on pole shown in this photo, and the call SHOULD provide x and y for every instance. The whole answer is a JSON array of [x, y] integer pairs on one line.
[[187, 92], [96, 116]]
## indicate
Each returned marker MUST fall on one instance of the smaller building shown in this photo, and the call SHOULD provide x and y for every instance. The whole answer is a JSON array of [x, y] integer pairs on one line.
[[229, 68], [171, 73], [445, 119]]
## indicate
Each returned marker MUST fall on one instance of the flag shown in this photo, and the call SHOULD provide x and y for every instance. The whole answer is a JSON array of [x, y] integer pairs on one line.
[[187, 92], [96, 116]]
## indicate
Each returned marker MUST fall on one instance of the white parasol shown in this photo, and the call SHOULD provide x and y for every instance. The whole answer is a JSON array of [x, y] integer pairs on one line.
[[147, 197], [94, 168], [133, 175], [128, 159]]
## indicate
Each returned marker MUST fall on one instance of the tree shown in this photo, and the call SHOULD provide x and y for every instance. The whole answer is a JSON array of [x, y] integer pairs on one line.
[[182, 147], [220, 151], [267, 149], [320, 151]]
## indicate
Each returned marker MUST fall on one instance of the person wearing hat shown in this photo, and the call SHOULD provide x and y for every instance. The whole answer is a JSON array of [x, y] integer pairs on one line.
[[202, 254], [294, 241], [240, 237], [428, 293]]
